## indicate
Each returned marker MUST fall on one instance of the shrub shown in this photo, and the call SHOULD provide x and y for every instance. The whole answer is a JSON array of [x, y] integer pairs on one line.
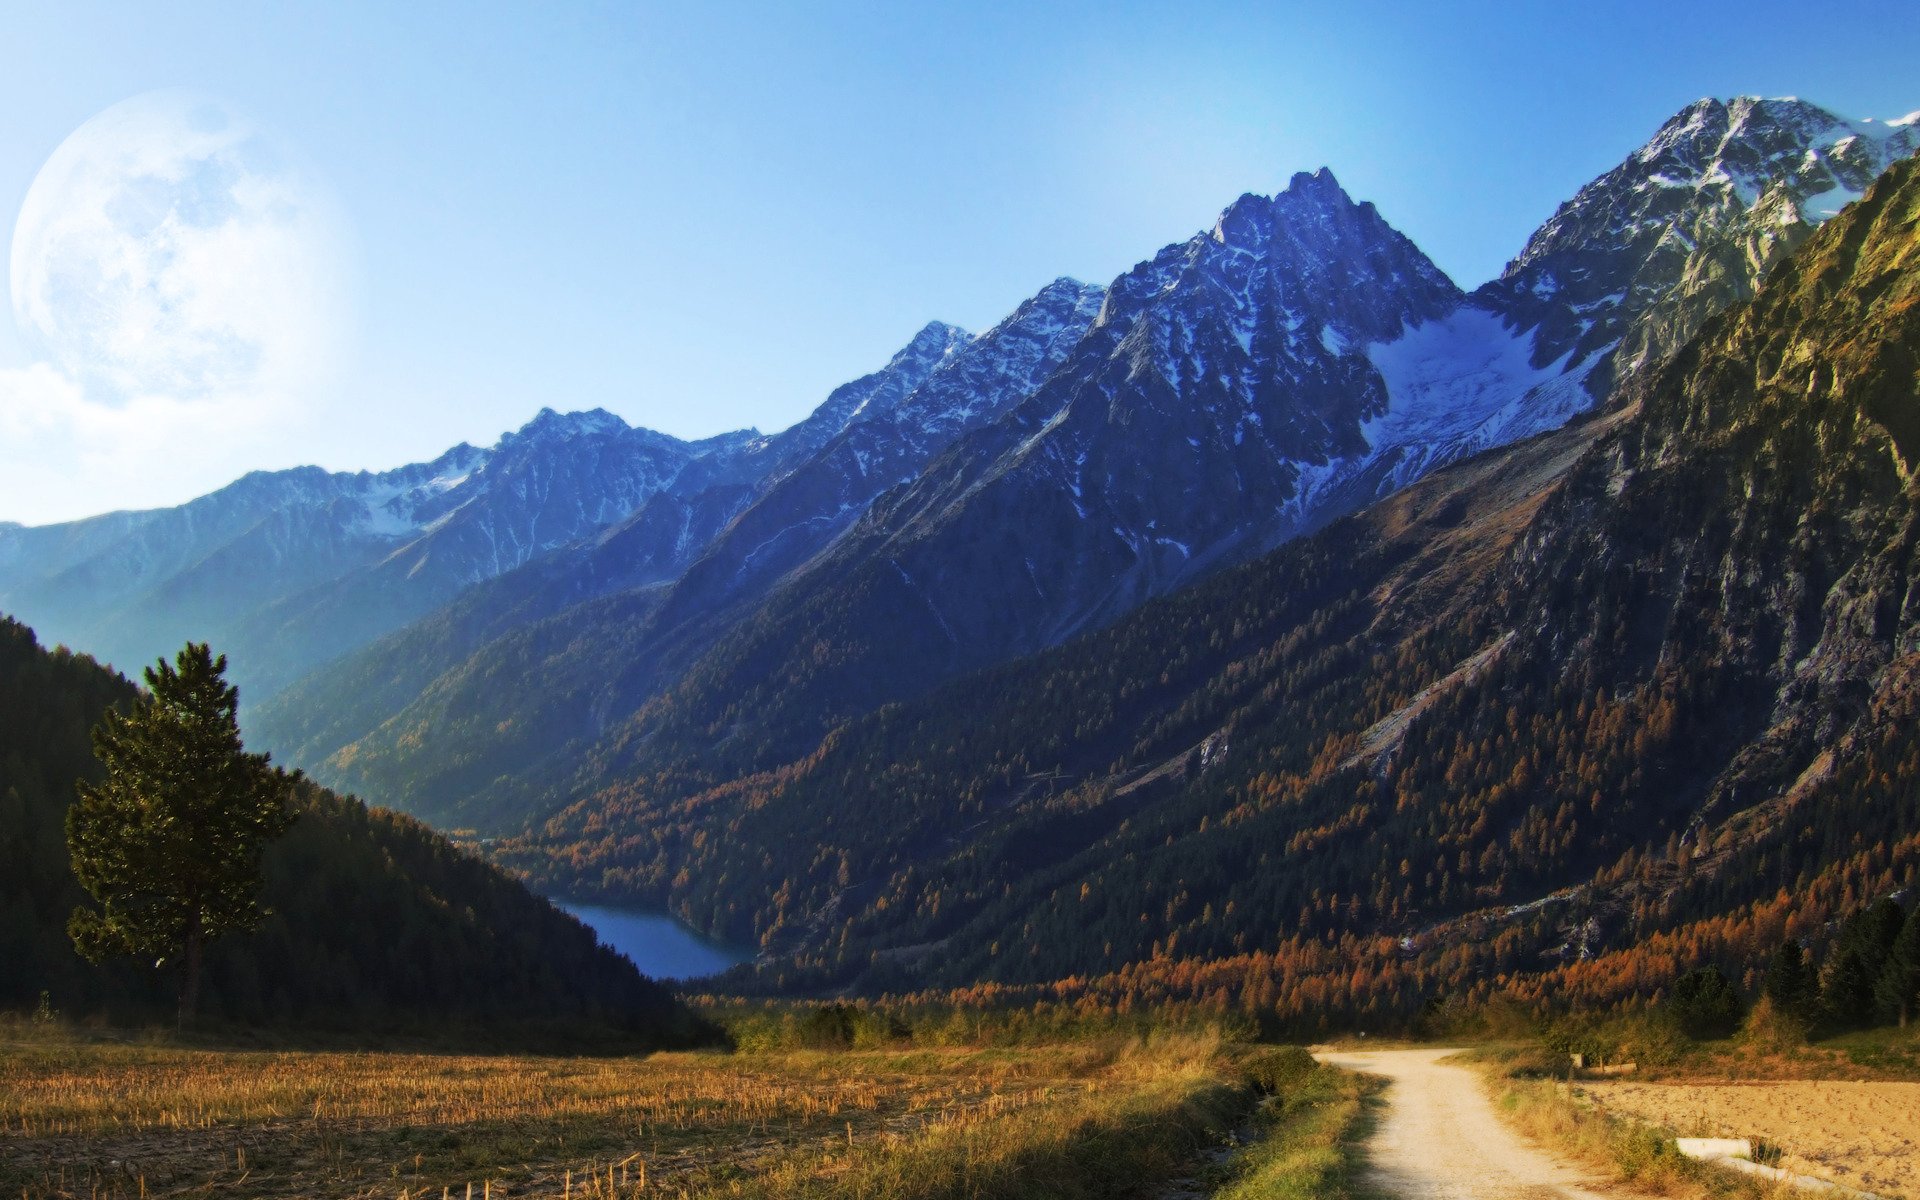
[[1771, 1027], [1277, 1070]]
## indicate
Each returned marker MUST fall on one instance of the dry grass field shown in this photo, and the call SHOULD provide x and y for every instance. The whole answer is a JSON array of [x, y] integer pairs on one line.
[[103, 1119]]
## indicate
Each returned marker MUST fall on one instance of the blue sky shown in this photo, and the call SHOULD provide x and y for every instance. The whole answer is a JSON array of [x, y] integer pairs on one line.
[[706, 216]]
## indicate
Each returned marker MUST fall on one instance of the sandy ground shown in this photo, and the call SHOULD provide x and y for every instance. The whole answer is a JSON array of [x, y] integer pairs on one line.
[[1440, 1139], [1864, 1135]]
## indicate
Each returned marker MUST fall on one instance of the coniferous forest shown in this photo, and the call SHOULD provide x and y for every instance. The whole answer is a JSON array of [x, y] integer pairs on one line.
[[373, 921]]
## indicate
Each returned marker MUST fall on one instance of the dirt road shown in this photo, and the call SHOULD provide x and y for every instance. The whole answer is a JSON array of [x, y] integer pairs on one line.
[[1439, 1138]]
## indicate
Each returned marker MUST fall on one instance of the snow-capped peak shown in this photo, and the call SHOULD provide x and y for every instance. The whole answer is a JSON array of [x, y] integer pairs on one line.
[[549, 423]]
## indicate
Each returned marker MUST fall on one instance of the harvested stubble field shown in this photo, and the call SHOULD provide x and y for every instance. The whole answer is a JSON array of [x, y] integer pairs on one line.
[[1862, 1134], [111, 1120]]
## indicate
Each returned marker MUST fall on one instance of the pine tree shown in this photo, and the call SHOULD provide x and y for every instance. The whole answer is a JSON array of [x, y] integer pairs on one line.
[[1705, 1003], [1899, 983], [1791, 983], [169, 841], [1847, 994], [1859, 958]]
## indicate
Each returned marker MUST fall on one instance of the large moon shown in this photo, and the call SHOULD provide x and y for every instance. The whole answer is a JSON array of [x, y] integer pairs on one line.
[[171, 248]]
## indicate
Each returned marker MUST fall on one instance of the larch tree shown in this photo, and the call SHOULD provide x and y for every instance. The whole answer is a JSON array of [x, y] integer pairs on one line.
[[169, 841]]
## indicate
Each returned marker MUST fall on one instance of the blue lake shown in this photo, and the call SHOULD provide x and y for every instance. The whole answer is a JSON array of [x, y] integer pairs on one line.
[[658, 943]]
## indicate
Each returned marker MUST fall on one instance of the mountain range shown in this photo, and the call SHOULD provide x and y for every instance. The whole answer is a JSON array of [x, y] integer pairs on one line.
[[642, 657], [1565, 718], [1289, 365]]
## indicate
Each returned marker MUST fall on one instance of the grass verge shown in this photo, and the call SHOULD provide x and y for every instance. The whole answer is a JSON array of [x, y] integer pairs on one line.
[[1310, 1132], [1640, 1155]]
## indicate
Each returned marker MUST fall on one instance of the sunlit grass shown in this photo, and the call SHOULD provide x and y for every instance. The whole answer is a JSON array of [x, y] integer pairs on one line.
[[1308, 1144], [1642, 1157]]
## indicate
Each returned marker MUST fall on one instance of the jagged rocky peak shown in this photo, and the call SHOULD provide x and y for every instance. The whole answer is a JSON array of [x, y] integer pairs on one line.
[[547, 423], [871, 393], [1334, 270], [986, 375], [1171, 439], [936, 338], [918, 358], [1687, 224], [1749, 144], [1065, 294], [1248, 222]]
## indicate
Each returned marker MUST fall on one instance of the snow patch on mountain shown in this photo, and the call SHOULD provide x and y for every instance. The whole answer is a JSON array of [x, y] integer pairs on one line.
[[1467, 382], [397, 505]]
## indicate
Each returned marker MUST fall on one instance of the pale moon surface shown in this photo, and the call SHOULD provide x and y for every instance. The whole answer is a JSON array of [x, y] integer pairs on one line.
[[170, 248]]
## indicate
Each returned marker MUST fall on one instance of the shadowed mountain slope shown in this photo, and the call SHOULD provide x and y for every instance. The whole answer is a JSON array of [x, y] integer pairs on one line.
[[1625, 684]]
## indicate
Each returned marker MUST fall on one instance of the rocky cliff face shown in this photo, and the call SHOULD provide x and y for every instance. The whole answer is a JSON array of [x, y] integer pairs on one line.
[[1621, 276], [1687, 225]]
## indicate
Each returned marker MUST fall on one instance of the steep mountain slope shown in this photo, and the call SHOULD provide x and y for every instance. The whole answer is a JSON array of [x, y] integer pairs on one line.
[[651, 545], [1182, 413], [374, 919], [1294, 363], [661, 539], [1620, 277], [805, 510], [1624, 683]]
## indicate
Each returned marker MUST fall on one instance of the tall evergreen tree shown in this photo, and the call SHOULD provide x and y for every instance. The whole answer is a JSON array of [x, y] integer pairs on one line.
[[1847, 996], [168, 842], [1899, 985], [1859, 958], [1706, 1003], [1792, 985]]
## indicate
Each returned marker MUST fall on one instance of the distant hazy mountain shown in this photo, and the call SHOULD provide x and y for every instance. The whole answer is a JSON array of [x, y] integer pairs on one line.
[[265, 551], [290, 569]]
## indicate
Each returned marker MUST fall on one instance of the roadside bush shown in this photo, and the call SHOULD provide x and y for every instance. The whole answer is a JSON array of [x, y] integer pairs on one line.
[[1650, 1037], [1276, 1071], [1771, 1027], [845, 1027]]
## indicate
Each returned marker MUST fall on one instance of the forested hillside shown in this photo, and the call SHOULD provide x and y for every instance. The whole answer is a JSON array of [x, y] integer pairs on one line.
[[375, 921], [1644, 685]]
